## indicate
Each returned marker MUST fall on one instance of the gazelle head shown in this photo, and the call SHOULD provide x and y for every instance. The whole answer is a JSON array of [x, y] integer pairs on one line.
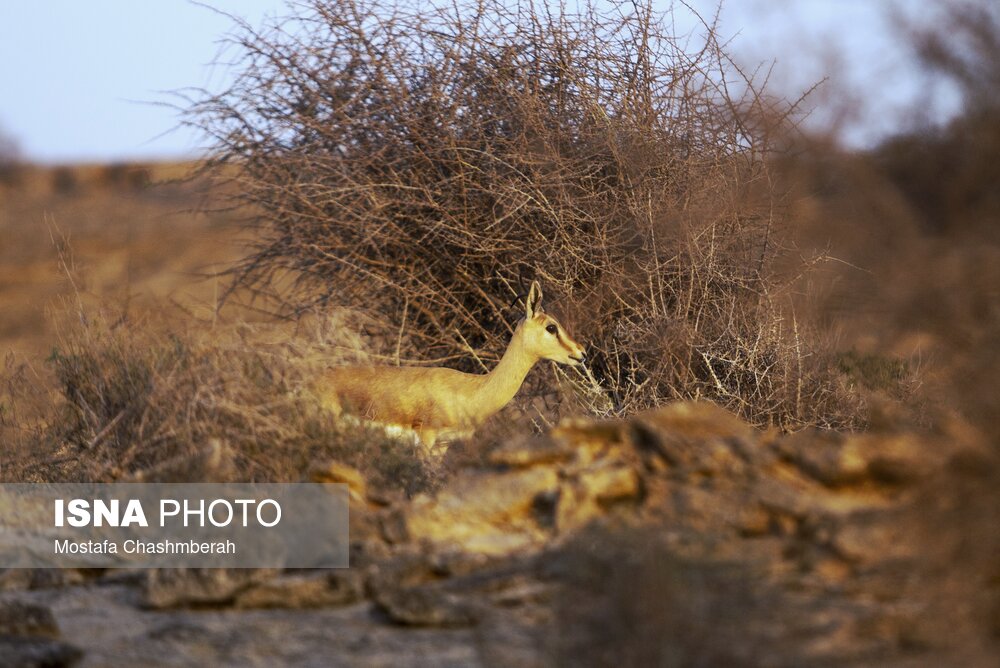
[[542, 335]]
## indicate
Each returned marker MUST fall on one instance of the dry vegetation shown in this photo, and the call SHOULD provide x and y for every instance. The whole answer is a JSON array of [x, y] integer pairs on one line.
[[422, 164], [405, 175], [136, 405], [915, 220], [124, 239], [115, 361], [399, 205]]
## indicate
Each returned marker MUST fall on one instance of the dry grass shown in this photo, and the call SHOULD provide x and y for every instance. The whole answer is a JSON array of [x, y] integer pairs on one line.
[[128, 232], [131, 402], [115, 363]]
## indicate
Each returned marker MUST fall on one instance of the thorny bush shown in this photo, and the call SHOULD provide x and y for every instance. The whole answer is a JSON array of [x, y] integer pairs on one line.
[[422, 162]]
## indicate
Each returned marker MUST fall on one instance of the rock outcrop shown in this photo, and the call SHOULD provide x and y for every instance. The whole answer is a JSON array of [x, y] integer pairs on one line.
[[29, 637], [681, 536]]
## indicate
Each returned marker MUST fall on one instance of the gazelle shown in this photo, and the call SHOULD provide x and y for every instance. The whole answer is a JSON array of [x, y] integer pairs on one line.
[[437, 402]]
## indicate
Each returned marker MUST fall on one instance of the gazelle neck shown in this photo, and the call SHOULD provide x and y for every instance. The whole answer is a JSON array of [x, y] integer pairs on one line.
[[501, 384]]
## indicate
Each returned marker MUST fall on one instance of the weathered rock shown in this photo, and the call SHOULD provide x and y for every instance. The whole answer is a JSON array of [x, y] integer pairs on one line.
[[406, 567], [901, 459], [531, 451], [409, 589], [679, 537], [576, 433], [590, 439], [607, 484], [839, 460], [365, 552], [785, 493], [676, 430], [426, 605], [452, 588], [585, 496], [574, 507], [506, 639], [26, 619], [180, 587], [456, 563], [489, 512], [37, 653], [869, 538], [303, 590], [753, 520], [180, 631], [828, 457], [28, 637], [13, 579]]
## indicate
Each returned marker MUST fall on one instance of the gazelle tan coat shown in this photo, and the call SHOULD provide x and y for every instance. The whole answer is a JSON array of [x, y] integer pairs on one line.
[[435, 401]]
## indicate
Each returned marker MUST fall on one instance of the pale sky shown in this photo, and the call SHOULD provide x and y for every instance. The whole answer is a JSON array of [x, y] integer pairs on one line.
[[77, 77]]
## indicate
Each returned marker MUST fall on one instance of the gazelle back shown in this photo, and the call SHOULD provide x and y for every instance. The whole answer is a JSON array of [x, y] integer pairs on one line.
[[436, 401]]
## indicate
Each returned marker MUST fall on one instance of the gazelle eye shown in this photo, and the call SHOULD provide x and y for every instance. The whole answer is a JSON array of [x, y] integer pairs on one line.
[[551, 329]]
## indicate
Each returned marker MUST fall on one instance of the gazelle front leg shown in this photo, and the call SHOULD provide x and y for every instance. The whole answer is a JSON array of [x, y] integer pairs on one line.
[[428, 437]]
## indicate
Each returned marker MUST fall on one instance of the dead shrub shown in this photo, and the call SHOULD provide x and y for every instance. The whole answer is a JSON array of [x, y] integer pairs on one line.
[[423, 162]]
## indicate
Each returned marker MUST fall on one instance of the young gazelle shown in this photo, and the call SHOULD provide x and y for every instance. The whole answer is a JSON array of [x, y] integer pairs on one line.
[[436, 402]]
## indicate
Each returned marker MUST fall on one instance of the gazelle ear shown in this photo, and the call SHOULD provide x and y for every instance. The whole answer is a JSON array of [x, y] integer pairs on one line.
[[533, 304]]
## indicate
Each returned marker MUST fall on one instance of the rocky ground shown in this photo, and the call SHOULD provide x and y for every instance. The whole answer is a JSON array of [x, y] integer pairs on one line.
[[679, 537]]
